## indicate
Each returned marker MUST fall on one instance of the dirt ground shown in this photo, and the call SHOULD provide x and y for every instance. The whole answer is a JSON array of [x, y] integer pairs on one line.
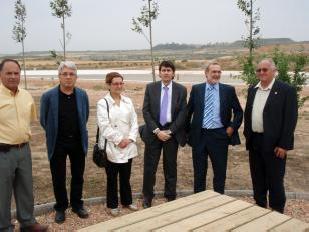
[[238, 177]]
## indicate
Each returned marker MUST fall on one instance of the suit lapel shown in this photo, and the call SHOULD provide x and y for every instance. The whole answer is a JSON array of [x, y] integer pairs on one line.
[[78, 103], [55, 105], [157, 98], [222, 98], [174, 98], [251, 96], [272, 94], [201, 95]]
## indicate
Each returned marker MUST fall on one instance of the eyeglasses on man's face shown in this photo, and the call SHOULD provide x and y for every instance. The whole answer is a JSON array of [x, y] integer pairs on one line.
[[68, 74], [259, 70]]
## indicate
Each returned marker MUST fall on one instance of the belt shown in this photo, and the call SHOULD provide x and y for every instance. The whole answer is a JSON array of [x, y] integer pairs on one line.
[[7, 147], [256, 134]]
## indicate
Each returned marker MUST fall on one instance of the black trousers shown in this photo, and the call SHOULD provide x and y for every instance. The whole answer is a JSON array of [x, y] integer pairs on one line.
[[58, 170], [267, 174], [213, 143], [152, 155], [124, 171]]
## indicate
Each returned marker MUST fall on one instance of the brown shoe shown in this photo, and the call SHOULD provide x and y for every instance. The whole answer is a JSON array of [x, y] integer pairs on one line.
[[36, 227]]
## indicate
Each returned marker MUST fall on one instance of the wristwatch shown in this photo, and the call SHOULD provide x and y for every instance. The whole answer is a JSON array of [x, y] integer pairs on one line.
[[156, 131]]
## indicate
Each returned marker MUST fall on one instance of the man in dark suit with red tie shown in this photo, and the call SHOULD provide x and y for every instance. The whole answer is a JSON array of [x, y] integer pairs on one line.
[[270, 121], [214, 116], [164, 112]]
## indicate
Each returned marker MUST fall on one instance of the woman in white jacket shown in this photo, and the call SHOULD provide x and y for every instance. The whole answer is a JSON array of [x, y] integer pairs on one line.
[[119, 127]]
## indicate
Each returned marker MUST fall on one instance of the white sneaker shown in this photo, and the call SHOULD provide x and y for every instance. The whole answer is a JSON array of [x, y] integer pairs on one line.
[[115, 212], [132, 207]]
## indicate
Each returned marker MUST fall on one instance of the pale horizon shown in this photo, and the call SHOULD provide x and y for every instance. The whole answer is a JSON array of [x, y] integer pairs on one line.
[[98, 25]]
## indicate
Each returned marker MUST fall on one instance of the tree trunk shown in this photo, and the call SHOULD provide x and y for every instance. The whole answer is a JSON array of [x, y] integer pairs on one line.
[[251, 30], [24, 61], [150, 42], [63, 30]]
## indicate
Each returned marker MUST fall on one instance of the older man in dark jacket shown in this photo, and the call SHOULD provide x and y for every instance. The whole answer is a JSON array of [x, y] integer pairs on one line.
[[64, 116]]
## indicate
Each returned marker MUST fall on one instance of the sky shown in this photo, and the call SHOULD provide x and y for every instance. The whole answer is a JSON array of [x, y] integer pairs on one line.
[[105, 24]]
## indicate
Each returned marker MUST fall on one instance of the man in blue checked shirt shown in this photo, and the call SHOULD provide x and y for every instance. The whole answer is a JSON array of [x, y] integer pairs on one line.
[[214, 116]]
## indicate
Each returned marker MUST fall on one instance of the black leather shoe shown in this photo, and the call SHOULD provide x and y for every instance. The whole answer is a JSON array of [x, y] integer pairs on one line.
[[170, 199], [59, 216], [81, 212], [146, 203]]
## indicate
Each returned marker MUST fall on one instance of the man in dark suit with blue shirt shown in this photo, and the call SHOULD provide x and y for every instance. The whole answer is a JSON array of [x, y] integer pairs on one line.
[[214, 116], [64, 114]]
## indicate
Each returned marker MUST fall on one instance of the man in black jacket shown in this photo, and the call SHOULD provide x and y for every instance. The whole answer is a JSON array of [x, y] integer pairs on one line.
[[164, 112], [270, 121]]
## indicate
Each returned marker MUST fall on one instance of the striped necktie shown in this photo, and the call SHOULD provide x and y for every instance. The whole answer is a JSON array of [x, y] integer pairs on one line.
[[209, 107]]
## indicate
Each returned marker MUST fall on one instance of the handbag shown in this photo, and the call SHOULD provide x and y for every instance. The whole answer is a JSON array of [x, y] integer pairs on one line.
[[99, 156]]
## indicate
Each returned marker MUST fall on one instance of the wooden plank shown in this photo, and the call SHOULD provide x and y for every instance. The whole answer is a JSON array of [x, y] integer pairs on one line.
[[203, 218], [234, 220], [178, 214], [150, 212], [263, 223], [292, 225]]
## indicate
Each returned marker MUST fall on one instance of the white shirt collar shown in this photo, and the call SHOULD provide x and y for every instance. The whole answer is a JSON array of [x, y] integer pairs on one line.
[[215, 86], [268, 87], [122, 98], [169, 86]]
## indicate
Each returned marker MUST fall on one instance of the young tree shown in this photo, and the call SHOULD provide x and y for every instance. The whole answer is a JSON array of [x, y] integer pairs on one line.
[[149, 12], [290, 69], [252, 15], [19, 30], [61, 9]]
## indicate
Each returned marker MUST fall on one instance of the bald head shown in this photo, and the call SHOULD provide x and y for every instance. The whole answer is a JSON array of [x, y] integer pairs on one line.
[[266, 71]]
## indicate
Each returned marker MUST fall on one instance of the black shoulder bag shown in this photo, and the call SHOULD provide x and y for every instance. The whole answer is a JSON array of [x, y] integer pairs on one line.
[[99, 155]]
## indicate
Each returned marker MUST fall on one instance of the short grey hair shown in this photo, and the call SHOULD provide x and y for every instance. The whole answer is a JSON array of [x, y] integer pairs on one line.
[[210, 64], [270, 61], [68, 64]]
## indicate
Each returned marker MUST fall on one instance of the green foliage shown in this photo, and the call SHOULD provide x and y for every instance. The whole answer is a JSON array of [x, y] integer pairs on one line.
[[290, 68], [296, 78], [252, 16], [19, 29], [61, 9], [55, 56], [149, 12], [248, 70]]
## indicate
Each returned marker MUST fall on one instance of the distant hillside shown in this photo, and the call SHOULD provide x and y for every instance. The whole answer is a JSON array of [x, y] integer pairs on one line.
[[235, 44], [176, 46]]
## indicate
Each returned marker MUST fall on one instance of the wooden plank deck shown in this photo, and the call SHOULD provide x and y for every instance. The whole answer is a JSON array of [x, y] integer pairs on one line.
[[205, 211]]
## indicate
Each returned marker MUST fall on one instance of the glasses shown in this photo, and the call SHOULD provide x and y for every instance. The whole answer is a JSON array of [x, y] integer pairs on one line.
[[117, 84], [65, 74], [216, 71], [262, 70], [13, 74]]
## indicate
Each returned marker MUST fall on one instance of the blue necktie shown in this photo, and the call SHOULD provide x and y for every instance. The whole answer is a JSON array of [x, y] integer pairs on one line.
[[163, 110], [209, 108]]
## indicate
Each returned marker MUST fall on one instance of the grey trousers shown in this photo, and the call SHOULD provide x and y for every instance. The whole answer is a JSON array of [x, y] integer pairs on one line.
[[16, 176]]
